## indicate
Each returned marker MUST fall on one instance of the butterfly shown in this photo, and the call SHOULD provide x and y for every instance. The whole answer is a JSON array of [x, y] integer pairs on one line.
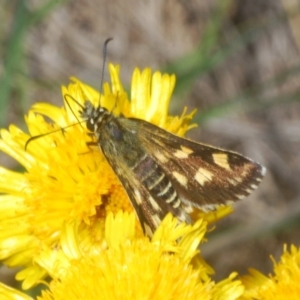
[[164, 173]]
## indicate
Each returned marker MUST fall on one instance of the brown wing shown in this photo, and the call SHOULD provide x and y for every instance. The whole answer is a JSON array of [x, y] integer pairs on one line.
[[164, 173], [144, 180], [203, 176], [149, 208]]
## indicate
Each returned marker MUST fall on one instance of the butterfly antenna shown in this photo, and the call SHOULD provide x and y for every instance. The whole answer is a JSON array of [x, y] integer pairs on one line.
[[66, 96], [62, 129], [104, 62]]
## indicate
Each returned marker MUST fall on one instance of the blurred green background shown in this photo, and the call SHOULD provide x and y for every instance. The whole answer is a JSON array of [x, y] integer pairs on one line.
[[237, 62]]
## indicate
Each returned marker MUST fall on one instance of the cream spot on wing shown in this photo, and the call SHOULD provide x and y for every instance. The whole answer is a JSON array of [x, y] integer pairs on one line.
[[186, 150], [246, 169], [161, 157], [181, 154], [238, 179], [210, 207], [182, 217], [180, 178], [235, 180], [148, 230], [176, 204], [154, 204], [138, 197], [156, 220], [187, 208], [221, 159], [232, 181], [203, 175]]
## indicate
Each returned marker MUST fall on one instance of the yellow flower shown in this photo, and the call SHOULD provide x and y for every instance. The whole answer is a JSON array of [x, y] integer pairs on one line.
[[284, 284], [8, 293], [130, 266], [67, 188]]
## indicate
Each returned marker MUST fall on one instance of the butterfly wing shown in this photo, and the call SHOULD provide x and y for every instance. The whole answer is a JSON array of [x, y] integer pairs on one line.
[[163, 173], [203, 176], [140, 174]]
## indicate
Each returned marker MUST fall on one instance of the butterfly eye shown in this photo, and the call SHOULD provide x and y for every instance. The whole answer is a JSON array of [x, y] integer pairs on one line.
[[90, 124]]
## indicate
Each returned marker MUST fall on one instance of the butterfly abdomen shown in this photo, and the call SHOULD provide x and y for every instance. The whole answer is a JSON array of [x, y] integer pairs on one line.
[[155, 180]]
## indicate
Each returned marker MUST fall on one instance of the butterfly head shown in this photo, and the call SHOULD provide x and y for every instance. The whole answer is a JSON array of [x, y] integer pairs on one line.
[[93, 115]]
